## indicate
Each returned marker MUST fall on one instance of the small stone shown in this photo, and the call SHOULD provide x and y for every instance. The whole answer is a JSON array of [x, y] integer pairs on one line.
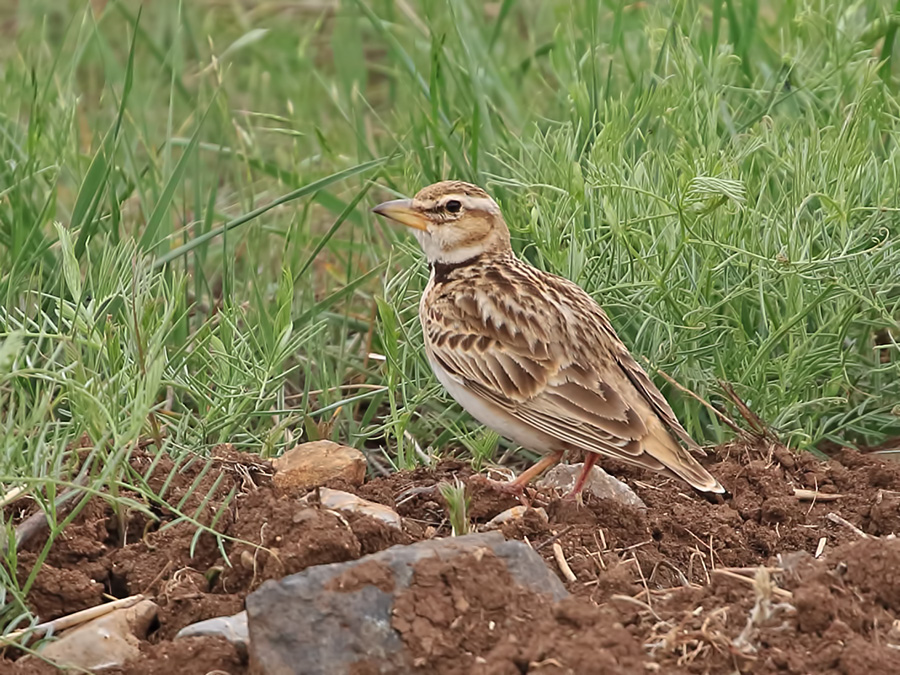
[[310, 465], [336, 619], [792, 562], [344, 501], [513, 513], [307, 515], [248, 562], [108, 641], [232, 628], [599, 483]]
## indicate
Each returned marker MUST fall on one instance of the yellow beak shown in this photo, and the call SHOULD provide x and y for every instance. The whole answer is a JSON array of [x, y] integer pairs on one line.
[[403, 212]]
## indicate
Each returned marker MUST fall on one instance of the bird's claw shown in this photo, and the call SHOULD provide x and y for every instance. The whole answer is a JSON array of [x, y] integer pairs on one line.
[[513, 488]]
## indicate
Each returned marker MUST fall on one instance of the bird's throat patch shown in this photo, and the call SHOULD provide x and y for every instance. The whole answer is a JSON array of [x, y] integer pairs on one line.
[[442, 271]]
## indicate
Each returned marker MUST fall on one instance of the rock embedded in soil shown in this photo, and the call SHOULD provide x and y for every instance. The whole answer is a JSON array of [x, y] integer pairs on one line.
[[512, 514], [562, 477], [358, 616], [346, 501], [232, 628], [309, 465], [108, 641]]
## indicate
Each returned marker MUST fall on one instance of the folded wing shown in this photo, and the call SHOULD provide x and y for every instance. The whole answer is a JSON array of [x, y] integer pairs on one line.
[[589, 394]]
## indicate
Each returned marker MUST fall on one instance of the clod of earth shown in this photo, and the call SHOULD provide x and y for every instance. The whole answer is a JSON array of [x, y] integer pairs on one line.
[[310, 465], [379, 612]]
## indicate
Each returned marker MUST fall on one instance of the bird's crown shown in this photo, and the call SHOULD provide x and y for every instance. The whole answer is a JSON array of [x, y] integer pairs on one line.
[[450, 187]]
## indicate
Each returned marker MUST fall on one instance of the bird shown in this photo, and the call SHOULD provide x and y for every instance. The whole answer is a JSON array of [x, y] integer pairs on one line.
[[530, 354]]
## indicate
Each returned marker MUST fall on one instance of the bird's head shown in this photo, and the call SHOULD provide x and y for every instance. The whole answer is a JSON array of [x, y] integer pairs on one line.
[[453, 221]]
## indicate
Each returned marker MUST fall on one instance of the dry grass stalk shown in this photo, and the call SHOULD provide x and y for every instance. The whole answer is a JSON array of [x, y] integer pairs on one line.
[[815, 496], [562, 563], [840, 520], [71, 620]]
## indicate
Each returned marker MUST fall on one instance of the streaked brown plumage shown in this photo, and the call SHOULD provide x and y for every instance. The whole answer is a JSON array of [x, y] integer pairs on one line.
[[530, 354]]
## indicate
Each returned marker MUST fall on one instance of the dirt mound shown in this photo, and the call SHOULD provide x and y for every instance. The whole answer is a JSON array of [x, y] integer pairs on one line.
[[467, 615], [673, 588]]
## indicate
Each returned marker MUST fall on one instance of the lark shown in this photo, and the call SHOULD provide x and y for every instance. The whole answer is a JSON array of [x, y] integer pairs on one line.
[[530, 354]]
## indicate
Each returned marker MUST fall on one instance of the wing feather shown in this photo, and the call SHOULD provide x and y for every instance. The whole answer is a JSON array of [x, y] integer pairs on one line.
[[561, 371]]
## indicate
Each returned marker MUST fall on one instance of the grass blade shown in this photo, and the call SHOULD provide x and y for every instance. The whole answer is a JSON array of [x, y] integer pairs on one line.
[[247, 217]]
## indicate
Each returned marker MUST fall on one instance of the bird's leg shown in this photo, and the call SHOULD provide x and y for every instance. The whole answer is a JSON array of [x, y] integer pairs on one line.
[[589, 462], [517, 485]]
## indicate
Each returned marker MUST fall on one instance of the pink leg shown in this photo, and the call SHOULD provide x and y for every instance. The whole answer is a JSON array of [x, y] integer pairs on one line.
[[517, 486], [589, 461]]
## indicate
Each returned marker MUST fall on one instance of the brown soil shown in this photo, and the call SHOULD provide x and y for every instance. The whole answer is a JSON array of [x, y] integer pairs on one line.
[[673, 589]]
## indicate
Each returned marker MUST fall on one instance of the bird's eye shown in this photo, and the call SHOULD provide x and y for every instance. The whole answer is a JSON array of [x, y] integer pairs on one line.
[[453, 206]]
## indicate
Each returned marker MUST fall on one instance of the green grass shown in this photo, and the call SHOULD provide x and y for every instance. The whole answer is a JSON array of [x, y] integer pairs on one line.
[[457, 502], [187, 258]]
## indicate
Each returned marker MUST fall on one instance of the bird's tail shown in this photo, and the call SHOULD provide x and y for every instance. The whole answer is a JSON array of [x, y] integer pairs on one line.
[[660, 445]]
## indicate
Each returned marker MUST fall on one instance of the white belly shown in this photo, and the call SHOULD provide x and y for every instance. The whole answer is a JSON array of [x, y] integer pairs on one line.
[[493, 416]]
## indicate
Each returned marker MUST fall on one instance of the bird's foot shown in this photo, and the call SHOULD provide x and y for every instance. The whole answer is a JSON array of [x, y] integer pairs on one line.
[[573, 496], [514, 488]]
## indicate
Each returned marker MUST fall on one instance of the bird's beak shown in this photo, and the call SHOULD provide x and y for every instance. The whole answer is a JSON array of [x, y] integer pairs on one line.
[[403, 212]]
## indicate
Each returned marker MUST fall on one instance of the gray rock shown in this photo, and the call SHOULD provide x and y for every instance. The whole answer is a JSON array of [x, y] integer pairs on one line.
[[232, 628], [330, 619], [562, 477]]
